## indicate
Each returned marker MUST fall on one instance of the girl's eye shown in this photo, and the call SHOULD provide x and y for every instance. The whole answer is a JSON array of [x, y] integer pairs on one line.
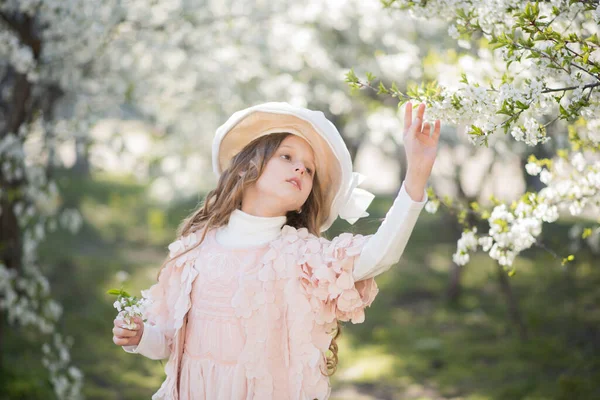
[[287, 157]]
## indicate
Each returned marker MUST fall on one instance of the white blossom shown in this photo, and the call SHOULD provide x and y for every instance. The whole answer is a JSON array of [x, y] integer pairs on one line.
[[545, 176], [432, 206], [533, 168], [467, 242], [453, 32]]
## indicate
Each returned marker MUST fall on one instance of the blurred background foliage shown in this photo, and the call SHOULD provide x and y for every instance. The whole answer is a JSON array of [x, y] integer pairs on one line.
[[141, 163]]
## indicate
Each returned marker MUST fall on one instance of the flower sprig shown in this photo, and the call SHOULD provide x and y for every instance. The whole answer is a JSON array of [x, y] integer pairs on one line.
[[129, 306]]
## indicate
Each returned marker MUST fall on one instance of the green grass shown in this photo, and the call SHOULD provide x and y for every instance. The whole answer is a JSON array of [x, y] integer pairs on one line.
[[413, 344]]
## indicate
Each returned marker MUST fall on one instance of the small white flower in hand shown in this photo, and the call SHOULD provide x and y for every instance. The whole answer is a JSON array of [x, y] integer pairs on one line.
[[129, 307]]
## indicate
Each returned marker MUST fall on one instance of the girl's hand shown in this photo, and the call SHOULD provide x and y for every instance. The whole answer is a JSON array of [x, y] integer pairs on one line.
[[420, 144], [127, 337]]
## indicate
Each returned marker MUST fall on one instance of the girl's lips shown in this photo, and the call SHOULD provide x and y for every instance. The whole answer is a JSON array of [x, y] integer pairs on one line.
[[295, 183]]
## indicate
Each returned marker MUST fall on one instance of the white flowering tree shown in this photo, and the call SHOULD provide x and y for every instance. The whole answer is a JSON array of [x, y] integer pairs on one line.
[[542, 90], [37, 72]]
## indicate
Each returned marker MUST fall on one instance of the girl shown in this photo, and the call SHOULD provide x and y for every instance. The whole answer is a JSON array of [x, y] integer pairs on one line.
[[248, 302]]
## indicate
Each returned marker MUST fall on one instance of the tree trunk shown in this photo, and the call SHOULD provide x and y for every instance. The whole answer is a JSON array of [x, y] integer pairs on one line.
[[454, 287], [512, 303], [15, 111], [13, 115], [82, 162]]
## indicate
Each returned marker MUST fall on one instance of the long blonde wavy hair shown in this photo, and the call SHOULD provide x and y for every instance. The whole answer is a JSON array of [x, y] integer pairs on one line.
[[244, 170]]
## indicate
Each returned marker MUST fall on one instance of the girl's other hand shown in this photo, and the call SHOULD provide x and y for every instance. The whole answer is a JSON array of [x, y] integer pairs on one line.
[[127, 337]]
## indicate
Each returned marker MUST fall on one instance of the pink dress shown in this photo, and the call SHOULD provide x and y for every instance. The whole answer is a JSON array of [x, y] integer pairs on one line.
[[255, 323], [215, 336]]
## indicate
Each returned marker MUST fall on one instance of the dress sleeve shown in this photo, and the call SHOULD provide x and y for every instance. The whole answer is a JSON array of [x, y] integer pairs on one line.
[[386, 246], [328, 280]]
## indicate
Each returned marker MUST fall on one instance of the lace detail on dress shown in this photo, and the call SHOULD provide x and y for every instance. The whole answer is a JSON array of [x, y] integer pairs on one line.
[[304, 283]]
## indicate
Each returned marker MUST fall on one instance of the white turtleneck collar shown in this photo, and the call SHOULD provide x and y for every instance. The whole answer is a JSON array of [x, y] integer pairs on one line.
[[246, 230]]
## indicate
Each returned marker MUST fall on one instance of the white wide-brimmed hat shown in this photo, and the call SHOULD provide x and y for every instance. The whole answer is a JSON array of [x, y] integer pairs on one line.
[[332, 159]]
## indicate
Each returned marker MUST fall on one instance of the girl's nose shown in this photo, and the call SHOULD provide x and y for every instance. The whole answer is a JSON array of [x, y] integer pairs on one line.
[[301, 168]]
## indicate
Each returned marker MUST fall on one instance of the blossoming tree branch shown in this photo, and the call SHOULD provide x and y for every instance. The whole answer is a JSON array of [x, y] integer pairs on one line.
[[549, 81]]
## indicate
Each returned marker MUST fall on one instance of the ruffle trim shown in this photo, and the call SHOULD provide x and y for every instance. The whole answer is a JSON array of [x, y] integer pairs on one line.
[[314, 278], [170, 301]]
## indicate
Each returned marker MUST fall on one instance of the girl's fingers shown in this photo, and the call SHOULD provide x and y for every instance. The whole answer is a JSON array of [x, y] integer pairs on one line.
[[415, 127], [407, 116], [119, 322], [120, 341], [420, 114], [121, 332], [122, 324], [426, 129], [122, 335], [421, 110], [436, 130]]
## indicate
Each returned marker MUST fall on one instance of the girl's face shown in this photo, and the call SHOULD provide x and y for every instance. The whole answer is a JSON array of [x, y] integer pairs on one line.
[[287, 179]]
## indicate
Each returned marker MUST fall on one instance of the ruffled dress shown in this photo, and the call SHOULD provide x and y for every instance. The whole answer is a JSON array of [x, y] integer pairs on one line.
[[214, 339], [256, 323]]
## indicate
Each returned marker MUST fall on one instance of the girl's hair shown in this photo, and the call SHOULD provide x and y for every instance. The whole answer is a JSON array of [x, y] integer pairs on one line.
[[244, 170]]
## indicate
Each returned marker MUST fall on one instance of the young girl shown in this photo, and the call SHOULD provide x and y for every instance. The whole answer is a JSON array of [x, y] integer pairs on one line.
[[248, 302]]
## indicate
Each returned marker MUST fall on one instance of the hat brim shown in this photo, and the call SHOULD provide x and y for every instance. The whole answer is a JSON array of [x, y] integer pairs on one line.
[[260, 123]]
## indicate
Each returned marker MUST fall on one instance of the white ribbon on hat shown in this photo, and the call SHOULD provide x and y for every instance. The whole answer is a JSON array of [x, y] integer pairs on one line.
[[357, 200]]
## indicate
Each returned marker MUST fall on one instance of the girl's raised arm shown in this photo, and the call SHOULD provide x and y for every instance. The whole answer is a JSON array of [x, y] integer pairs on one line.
[[386, 246]]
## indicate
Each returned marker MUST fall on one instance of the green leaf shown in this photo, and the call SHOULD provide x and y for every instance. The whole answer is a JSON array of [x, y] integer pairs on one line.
[[587, 232], [568, 259], [521, 105], [563, 153], [118, 292], [593, 39], [475, 130], [586, 57], [351, 77], [382, 89]]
